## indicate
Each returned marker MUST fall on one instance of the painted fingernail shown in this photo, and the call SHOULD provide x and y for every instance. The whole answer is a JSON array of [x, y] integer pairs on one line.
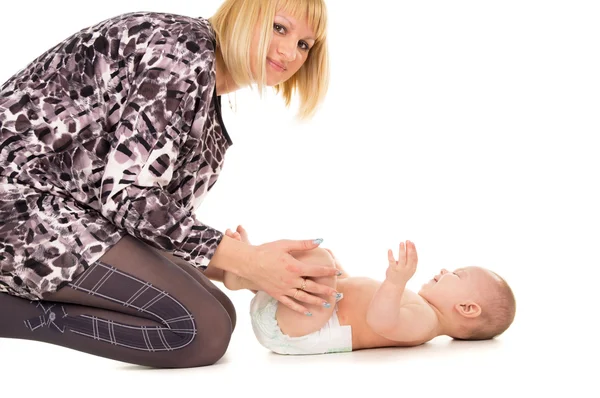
[[339, 273], [308, 313], [339, 296], [326, 305], [318, 241]]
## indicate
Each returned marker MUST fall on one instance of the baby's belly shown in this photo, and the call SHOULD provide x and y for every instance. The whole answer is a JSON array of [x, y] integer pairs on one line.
[[352, 310]]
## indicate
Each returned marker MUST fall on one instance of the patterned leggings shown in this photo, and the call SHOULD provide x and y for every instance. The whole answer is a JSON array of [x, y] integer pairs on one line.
[[133, 305]]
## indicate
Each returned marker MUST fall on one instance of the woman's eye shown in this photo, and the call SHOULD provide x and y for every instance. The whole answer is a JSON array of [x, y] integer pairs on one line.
[[303, 45], [279, 28]]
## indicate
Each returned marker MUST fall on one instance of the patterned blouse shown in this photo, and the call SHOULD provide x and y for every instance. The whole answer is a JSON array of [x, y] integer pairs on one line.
[[116, 130]]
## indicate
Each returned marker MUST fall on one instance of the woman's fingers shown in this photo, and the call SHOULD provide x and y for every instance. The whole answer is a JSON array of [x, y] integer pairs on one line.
[[312, 287], [289, 280], [296, 245], [288, 302], [305, 297], [314, 271]]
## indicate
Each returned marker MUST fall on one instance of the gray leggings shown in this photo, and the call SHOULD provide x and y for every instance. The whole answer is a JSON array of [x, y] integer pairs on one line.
[[134, 306]]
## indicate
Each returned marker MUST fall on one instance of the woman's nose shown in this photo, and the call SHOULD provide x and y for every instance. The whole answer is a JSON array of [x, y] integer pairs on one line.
[[287, 50]]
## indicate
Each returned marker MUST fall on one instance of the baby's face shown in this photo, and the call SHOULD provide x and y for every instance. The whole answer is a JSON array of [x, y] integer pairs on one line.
[[447, 288]]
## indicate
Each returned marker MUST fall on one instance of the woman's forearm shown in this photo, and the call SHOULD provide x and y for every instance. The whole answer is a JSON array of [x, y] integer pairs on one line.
[[232, 256]]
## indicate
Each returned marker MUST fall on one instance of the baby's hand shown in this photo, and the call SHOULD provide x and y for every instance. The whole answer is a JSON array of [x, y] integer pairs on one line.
[[399, 272]]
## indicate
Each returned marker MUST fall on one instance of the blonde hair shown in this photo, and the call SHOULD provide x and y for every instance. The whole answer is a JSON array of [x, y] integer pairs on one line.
[[497, 313], [234, 24]]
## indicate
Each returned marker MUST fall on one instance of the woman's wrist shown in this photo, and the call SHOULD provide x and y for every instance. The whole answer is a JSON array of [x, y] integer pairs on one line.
[[233, 256]]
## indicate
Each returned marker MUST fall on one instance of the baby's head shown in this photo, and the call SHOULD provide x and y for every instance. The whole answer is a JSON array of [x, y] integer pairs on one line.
[[475, 303]]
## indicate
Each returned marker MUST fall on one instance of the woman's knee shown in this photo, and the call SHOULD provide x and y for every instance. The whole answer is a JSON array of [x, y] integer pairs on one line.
[[227, 305], [213, 334]]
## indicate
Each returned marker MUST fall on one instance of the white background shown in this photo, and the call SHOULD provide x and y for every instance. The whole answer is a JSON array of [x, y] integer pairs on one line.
[[469, 127]]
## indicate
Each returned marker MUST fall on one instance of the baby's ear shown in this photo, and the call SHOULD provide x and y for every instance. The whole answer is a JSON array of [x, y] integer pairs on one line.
[[468, 309]]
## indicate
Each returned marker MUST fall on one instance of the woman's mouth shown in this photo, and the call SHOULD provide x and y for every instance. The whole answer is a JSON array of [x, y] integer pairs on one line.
[[275, 65]]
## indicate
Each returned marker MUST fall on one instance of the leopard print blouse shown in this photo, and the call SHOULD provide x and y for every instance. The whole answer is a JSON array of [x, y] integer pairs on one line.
[[116, 130]]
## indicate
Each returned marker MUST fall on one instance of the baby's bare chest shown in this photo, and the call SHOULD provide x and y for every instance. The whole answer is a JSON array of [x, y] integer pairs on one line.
[[352, 310]]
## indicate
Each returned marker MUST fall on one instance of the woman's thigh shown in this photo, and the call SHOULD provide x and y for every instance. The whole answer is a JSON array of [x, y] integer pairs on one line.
[[187, 326]]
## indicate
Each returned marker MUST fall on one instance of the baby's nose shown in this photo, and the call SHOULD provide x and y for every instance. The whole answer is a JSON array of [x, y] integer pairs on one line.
[[444, 271]]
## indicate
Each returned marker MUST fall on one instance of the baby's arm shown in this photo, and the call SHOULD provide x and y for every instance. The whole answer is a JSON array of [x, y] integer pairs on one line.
[[390, 313]]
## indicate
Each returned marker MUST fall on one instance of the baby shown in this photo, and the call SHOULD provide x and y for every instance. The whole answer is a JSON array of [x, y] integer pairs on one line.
[[471, 303]]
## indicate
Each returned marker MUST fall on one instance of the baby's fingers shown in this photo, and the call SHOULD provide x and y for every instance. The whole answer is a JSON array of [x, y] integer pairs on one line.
[[391, 258], [412, 257], [401, 256]]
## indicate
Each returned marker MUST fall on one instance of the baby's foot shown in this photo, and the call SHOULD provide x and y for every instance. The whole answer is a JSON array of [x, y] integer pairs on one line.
[[232, 281]]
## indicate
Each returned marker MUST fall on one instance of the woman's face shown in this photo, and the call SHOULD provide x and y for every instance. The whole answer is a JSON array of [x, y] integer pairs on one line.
[[288, 50]]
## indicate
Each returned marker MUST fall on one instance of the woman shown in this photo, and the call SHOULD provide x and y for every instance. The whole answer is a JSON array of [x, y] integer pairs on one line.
[[108, 143]]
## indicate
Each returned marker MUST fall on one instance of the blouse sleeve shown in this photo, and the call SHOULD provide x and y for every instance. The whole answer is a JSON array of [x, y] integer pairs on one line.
[[171, 87]]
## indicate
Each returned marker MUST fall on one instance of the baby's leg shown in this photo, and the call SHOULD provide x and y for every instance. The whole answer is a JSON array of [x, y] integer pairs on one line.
[[296, 324]]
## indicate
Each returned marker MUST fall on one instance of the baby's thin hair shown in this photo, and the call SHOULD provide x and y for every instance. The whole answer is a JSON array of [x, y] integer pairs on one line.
[[497, 313]]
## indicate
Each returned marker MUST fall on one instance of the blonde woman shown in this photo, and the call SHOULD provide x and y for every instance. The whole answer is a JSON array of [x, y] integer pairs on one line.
[[108, 143]]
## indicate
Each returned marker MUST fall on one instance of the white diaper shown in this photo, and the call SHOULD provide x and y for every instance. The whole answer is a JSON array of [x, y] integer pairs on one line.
[[332, 337]]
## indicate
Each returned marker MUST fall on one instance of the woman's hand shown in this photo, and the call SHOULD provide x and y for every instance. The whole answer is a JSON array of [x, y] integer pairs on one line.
[[280, 275], [271, 268]]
